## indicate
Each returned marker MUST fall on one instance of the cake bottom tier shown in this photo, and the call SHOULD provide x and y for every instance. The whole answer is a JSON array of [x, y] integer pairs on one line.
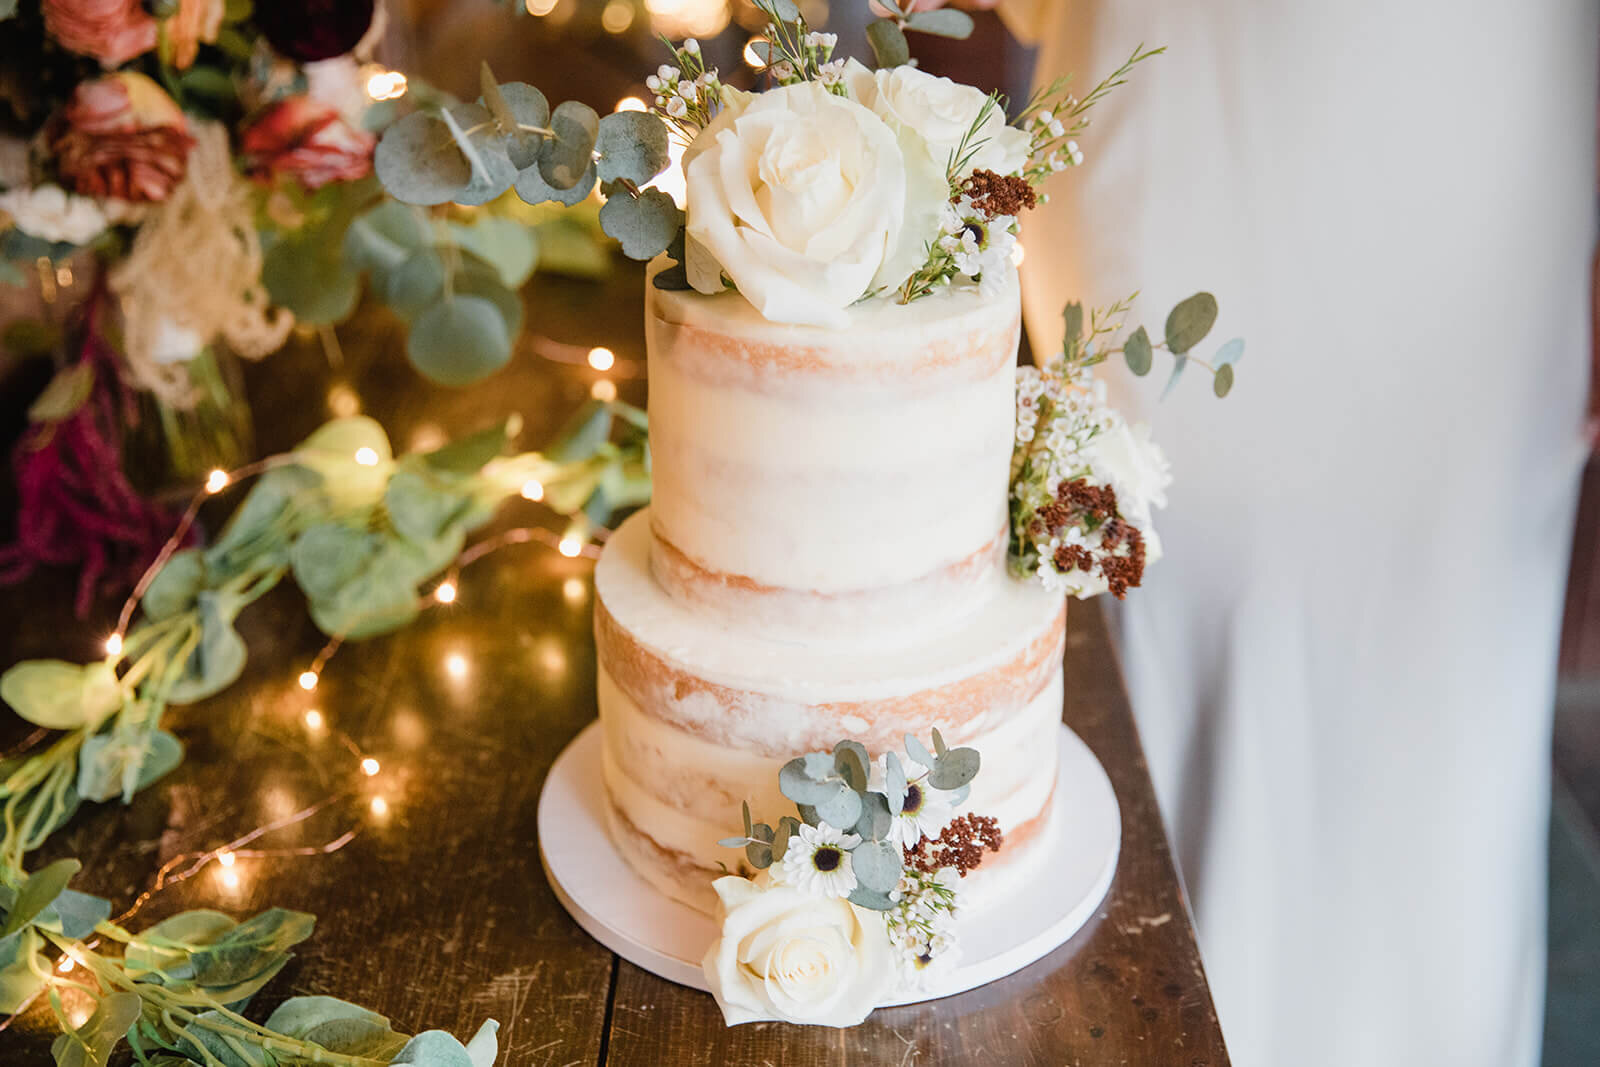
[[698, 716]]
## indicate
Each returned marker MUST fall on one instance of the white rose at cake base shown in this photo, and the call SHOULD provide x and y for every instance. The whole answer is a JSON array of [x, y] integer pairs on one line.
[[802, 198], [795, 956]]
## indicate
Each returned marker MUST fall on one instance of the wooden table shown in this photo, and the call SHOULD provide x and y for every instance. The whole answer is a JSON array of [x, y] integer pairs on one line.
[[437, 913]]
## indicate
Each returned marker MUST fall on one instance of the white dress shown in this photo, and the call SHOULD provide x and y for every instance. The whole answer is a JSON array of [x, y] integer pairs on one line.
[[1343, 670]]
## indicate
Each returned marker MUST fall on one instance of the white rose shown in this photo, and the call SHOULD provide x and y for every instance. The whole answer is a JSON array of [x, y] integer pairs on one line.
[[803, 200], [50, 213], [791, 955], [941, 112], [1135, 467]]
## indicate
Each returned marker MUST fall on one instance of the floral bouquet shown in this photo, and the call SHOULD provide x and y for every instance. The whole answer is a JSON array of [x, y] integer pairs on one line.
[[197, 175]]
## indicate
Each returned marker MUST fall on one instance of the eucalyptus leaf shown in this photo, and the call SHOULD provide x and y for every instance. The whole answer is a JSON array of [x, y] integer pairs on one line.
[[632, 147], [384, 237], [175, 586], [759, 854], [582, 434], [871, 899], [252, 946], [415, 285], [59, 695], [875, 820], [808, 814], [842, 809], [894, 779], [1172, 379], [459, 340], [165, 947], [259, 527], [506, 244], [532, 188], [217, 661], [645, 225], [877, 865], [38, 893], [328, 555], [471, 453], [480, 279], [564, 158], [528, 108], [780, 837], [916, 750], [298, 1016], [74, 914], [484, 1047], [853, 764], [92, 1044], [889, 45], [383, 597], [942, 22], [1190, 321], [305, 274], [421, 505], [418, 162], [19, 979], [1230, 353], [939, 748], [111, 765], [1138, 352], [433, 1048], [196, 1036], [472, 128], [795, 783], [1222, 382], [954, 768]]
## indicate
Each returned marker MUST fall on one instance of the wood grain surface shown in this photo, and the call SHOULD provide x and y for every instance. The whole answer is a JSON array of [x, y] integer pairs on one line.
[[436, 913]]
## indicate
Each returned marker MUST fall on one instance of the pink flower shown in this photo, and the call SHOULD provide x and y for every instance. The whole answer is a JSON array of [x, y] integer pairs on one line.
[[305, 139], [121, 136], [194, 22], [112, 31]]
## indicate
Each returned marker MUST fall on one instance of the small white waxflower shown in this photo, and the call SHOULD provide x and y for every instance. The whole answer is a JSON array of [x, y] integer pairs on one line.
[[653, 83], [783, 70], [1075, 152], [707, 79], [821, 40], [1055, 128], [1043, 118], [818, 861], [689, 91], [1057, 163], [667, 73], [831, 73], [676, 107], [691, 46]]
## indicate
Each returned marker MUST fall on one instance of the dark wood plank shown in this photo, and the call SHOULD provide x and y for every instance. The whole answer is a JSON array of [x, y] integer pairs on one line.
[[438, 913], [1128, 989]]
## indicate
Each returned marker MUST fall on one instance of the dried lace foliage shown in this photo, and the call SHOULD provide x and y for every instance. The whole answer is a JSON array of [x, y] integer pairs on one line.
[[196, 263]]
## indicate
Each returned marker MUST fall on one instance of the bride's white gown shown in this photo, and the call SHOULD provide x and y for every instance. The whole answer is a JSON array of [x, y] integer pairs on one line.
[[1343, 670]]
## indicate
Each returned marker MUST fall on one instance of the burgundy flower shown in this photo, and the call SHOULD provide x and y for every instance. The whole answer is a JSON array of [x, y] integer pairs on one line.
[[112, 31], [305, 139], [121, 136], [308, 30]]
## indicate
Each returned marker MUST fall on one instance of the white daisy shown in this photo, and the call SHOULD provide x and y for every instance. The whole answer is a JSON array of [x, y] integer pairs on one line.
[[925, 812], [818, 861]]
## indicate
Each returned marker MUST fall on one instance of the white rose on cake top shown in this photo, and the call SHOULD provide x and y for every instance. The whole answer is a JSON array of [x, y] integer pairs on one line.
[[807, 202], [796, 956], [946, 113]]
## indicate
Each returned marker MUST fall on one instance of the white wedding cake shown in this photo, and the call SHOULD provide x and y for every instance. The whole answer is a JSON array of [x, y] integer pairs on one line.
[[823, 557]]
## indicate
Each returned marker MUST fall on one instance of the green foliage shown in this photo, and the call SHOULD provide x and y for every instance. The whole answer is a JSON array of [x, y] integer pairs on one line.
[[92, 1044], [566, 155], [644, 225], [1086, 345], [459, 340], [889, 45], [1137, 352], [632, 147], [1189, 322], [941, 22], [59, 695]]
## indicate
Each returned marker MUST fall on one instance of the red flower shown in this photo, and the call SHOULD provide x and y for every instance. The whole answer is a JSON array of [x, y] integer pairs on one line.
[[305, 139], [121, 136], [113, 31]]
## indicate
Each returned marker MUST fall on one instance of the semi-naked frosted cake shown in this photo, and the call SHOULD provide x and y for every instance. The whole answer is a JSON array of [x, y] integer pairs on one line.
[[823, 558]]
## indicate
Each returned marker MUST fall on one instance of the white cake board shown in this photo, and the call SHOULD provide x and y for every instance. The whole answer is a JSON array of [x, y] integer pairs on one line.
[[1053, 896]]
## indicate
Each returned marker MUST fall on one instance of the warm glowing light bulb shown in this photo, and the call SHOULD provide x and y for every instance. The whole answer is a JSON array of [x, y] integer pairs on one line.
[[367, 457], [753, 57], [379, 806], [227, 859], [630, 103], [386, 85], [617, 16], [532, 490], [573, 589], [455, 665], [540, 7], [446, 593], [343, 401], [602, 358], [570, 547], [314, 719], [216, 481], [369, 767], [230, 879], [66, 964], [308, 680], [114, 645], [604, 390]]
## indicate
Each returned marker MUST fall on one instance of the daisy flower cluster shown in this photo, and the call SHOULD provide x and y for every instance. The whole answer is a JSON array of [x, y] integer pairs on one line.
[[881, 834], [1083, 483], [688, 93]]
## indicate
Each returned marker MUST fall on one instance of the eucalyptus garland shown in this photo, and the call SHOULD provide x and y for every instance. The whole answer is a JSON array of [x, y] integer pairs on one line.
[[360, 532]]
